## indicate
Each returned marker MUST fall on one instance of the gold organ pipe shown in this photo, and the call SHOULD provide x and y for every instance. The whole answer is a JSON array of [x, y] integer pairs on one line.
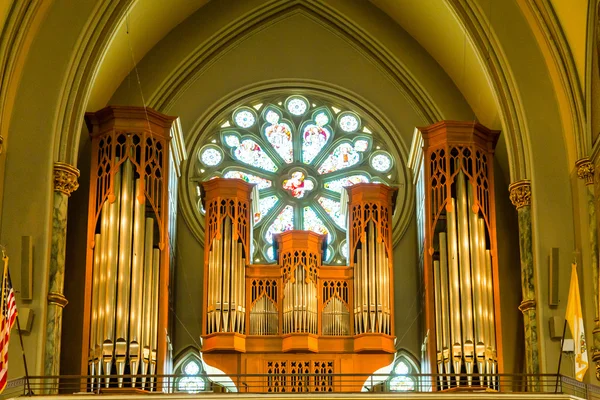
[[219, 280], [372, 276], [234, 282], [490, 307], [137, 281], [484, 292], [241, 296], [154, 320], [357, 294], [226, 274], [475, 244], [101, 308], [124, 269], [446, 345], [438, 318], [455, 315], [465, 275], [147, 303], [95, 306], [380, 276], [365, 282], [111, 278]]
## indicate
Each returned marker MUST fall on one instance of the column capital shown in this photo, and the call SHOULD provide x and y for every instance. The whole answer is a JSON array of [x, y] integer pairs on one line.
[[65, 178], [520, 193], [585, 170]]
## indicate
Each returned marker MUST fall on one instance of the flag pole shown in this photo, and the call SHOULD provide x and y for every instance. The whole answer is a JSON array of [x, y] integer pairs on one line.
[[562, 346]]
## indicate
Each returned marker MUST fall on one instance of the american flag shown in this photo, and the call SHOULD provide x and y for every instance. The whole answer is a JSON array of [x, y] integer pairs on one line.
[[8, 310]]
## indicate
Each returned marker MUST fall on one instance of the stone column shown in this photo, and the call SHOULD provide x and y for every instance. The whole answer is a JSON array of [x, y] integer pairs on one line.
[[585, 171], [65, 183], [520, 196]]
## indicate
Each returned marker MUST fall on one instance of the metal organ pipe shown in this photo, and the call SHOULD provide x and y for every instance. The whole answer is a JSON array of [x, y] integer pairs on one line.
[[111, 278], [137, 280], [124, 269]]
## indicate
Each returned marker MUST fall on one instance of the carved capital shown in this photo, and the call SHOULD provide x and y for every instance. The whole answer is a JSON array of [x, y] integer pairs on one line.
[[57, 298], [520, 193], [65, 178], [585, 170], [527, 305]]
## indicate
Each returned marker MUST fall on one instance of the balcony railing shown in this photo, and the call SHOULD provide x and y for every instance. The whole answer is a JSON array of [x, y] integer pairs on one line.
[[168, 385]]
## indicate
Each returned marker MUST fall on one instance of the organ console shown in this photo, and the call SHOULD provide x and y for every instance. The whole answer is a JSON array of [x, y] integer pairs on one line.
[[453, 169]]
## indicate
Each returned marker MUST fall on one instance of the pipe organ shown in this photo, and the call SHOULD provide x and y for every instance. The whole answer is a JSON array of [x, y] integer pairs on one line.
[[453, 168], [297, 312], [135, 164]]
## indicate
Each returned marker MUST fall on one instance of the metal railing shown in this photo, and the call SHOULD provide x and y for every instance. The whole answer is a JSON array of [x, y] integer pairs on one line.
[[301, 383]]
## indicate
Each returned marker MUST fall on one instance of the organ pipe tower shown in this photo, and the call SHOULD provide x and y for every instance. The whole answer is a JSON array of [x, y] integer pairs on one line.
[[136, 154], [456, 221]]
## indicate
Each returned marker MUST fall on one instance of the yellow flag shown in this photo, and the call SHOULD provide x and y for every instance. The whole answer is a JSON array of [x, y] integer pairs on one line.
[[574, 318]]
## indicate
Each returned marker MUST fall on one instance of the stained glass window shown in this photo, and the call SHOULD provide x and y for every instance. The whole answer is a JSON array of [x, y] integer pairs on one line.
[[297, 105], [336, 185], [265, 205], [314, 139], [297, 185], [244, 118], [400, 377], [343, 156], [381, 162], [262, 183], [283, 222], [332, 208], [191, 381], [300, 152], [280, 137], [349, 122], [211, 157], [249, 152], [312, 222]]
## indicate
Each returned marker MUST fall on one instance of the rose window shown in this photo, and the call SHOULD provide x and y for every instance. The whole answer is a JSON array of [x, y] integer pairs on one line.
[[300, 152]]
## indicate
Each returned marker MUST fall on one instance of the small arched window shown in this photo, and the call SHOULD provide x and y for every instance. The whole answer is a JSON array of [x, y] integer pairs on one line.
[[191, 378], [402, 376]]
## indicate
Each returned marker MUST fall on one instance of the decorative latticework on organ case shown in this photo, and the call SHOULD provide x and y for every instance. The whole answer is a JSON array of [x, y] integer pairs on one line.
[[453, 168], [126, 319]]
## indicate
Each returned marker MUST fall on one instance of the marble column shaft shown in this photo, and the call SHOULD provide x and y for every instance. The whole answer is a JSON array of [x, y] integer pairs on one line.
[[65, 182], [586, 171], [520, 195]]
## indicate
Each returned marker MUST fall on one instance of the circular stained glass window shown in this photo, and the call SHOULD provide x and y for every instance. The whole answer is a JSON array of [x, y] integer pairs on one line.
[[349, 122], [300, 152], [244, 118], [211, 156], [297, 105], [381, 162], [191, 382]]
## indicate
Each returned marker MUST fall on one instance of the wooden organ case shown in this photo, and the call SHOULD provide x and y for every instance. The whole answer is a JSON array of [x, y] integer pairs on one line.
[[298, 321], [453, 170], [136, 154]]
